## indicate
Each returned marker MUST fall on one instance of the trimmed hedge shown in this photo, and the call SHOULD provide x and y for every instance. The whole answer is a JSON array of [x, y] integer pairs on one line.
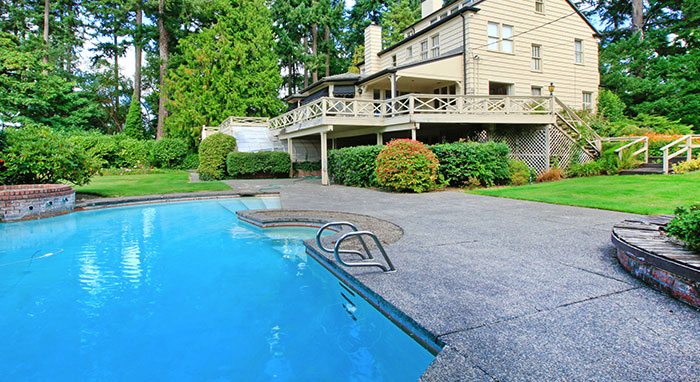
[[169, 152], [354, 166], [274, 163], [134, 153], [466, 163], [212, 155]]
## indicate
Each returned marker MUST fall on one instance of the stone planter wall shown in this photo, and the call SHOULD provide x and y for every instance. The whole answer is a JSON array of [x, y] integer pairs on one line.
[[35, 201]]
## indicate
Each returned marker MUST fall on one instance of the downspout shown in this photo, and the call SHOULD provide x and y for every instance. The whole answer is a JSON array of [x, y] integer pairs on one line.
[[464, 53]]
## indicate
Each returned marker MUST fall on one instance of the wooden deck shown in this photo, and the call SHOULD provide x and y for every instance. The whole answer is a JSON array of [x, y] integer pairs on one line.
[[653, 245]]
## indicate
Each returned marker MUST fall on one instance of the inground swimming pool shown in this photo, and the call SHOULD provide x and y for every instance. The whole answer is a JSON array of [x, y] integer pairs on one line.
[[184, 291]]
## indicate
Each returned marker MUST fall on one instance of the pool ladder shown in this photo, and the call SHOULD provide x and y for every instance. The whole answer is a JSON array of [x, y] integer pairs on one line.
[[367, 260]]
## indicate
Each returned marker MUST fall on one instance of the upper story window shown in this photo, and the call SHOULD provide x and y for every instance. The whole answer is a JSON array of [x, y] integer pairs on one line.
[[578, 51], [536, 58], [424, 50], [409, 53], [442, 16], [393, 60], [500, 37], [587, 101], [539, 6], [434, 20], [435, 45]]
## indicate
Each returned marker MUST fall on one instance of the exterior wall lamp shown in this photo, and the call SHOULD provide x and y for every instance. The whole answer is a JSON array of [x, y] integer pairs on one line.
[[551, 89]]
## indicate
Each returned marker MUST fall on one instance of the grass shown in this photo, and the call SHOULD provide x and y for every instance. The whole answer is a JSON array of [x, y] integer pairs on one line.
[[641, 194], [160, 182]]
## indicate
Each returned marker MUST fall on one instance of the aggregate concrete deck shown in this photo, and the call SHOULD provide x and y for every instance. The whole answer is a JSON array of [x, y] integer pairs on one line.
[[516, 290]]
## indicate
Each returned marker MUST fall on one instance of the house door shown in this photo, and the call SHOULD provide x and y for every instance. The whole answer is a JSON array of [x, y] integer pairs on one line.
[[500, 88]]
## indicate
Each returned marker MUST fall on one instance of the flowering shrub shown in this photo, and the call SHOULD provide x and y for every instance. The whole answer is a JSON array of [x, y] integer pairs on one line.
[[687, 166], [407, 165], [37, 154]]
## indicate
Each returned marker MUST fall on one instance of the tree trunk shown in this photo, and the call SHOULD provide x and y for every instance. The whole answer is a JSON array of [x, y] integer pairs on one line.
[[137, 53], [290, 77], [117, 123], [328, 50], [306, 69], [164, 55], [638, 17], [314, 52], [46, 31]]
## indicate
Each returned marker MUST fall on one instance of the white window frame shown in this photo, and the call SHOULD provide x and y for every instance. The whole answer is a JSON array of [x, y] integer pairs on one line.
[[536, 58], [539, 6], [497, 41], [587, 100], [578, 51], [424, 49], [409, 53], [535, 89], [435, 45]]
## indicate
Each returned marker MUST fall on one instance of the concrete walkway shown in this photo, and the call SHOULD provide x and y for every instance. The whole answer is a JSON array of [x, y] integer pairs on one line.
[[517, 290]]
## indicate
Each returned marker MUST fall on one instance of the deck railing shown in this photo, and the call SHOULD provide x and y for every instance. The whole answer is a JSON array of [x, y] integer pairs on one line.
[[684, 144], [414, 104]]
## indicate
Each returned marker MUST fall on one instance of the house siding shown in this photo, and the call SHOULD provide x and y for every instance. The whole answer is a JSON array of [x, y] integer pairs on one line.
[[557, 52]]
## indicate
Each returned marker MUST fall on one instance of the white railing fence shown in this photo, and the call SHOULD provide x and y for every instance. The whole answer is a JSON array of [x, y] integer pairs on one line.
[[632, 143], [684, 144]]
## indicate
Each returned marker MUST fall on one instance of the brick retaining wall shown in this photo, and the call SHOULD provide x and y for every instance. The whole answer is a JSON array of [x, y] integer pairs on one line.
[[35, 201]]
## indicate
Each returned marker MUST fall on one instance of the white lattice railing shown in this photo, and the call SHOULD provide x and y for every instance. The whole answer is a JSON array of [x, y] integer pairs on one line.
[[414, 104]]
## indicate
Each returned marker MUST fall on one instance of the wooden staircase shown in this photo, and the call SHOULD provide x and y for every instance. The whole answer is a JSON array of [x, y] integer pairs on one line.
[[654, 166], [569, 123]]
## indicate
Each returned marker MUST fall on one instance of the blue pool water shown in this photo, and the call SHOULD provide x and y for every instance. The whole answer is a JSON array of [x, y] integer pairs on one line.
[[184, 291]]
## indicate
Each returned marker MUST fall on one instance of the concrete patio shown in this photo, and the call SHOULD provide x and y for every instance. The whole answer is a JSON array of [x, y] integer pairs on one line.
[[516, 290]]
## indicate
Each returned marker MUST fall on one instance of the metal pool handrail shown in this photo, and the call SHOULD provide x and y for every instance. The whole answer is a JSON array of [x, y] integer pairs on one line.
[[366, 260]]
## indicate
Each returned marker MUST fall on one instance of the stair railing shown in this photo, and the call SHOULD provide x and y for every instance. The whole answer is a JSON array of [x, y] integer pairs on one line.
[[571, 118], [644, 149], [688, 149]]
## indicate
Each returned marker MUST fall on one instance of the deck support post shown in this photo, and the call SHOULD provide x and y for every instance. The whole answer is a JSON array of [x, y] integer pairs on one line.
[[324, 158], [290, 150], [414, 131], [380, 139], [334, 144]]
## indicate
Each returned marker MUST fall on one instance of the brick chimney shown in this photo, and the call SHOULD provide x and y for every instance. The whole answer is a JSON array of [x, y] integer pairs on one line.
[[373, 44], [429, 6]]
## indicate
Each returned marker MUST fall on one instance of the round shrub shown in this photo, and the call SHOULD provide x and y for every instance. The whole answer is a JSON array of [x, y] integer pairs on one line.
[[407, 165], [212, 155], [169, 152], [37, 154]]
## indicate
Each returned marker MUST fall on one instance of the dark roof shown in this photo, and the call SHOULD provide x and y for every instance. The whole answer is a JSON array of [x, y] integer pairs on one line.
[[428, 28], [353, 77]]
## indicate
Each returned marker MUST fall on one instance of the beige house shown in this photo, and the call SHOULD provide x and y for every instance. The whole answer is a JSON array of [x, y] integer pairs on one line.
[[505, 70]]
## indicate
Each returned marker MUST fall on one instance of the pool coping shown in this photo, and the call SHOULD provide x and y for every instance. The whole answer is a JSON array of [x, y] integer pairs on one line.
[[99, 203], [310, 218]]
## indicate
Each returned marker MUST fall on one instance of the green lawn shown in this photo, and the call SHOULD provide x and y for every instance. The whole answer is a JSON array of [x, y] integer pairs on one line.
[[642, 194], [163, 182]]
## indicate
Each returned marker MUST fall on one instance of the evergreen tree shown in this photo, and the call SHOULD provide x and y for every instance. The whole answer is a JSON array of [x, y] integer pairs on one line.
[[227, 69], [363, 13], [400, 15]]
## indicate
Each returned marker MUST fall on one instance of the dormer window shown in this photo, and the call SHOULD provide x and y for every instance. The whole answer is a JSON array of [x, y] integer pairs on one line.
[[442, 16], [454, 10], [434, 20]]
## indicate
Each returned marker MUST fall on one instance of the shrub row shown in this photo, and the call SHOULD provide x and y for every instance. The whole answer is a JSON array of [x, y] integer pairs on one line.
[[462, 163], [110, 151], [473, 163], [243, 165], [37, 154]]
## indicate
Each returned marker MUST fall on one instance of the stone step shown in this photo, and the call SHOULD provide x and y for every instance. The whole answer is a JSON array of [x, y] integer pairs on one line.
[[642, 171]]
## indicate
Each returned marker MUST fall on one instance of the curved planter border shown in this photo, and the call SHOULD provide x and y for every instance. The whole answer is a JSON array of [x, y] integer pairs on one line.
[[35, 201], [671, 276]]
